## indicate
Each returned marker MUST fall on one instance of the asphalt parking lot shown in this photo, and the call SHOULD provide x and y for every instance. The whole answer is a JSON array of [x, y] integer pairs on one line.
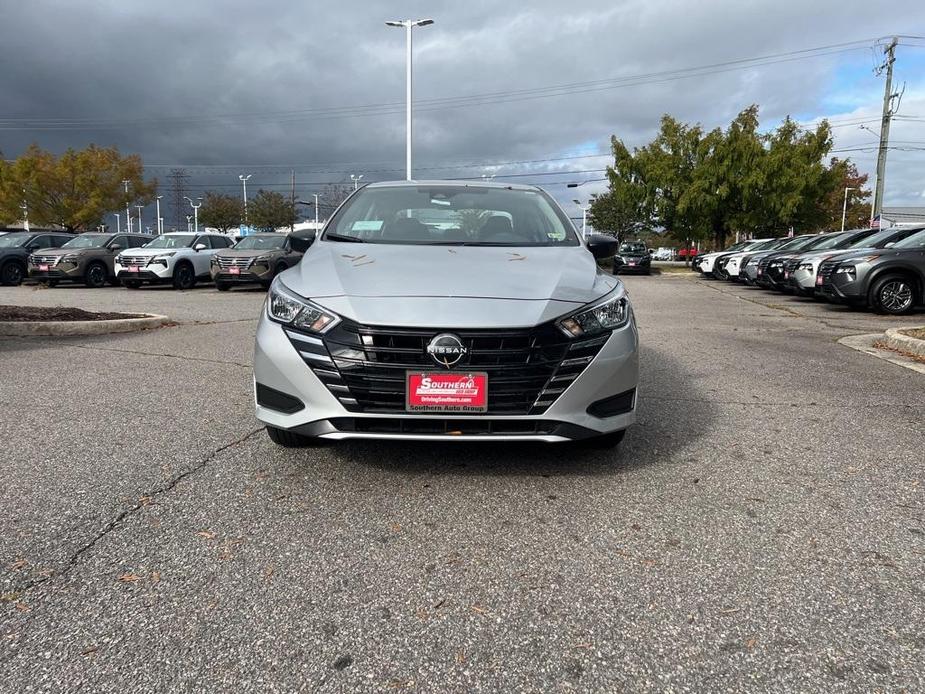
[[761, 528]]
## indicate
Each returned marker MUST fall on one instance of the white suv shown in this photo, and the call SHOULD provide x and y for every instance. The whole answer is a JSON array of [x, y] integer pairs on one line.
[[178, 258]]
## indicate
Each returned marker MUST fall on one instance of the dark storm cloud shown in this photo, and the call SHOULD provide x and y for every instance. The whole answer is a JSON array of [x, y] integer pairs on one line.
[[148, 63]]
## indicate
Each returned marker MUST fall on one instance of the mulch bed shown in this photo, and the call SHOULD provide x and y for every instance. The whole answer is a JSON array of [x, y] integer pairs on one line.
[[56, 313], [918, 333]]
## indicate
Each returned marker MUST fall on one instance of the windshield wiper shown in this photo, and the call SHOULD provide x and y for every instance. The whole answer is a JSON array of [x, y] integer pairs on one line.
[[342, 237]]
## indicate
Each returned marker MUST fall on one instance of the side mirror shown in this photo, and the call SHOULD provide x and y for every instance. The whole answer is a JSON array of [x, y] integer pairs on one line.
[[115, 247], [200, 247], [602, 246], [651, 251], [890, 244], [302, 240]]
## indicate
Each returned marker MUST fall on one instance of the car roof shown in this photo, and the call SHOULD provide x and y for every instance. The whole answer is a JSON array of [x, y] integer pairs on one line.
[[453, 184]]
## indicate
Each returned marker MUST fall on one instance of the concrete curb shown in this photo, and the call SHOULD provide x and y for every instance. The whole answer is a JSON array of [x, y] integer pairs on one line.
[[81, 327], [866, 344], [913, 345]]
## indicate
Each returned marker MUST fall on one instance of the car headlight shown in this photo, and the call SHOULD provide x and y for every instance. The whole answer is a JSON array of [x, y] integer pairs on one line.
[[164, 256], [70, 258], [260, 259], [284, 306], [606, 315], [806, 266], [849, 270]]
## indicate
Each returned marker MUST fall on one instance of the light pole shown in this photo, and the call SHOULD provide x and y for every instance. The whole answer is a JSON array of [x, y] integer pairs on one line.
[[873, 197], [356, 180], [128, 214], [140, 227], [303, 202], [189, 222], [844, 208], [118, 223], [243, 180], [195, 212], [25, 215], [157, 200], [408, 24], [584, 216]]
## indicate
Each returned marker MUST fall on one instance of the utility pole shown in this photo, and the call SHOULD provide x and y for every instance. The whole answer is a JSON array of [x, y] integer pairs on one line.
[[292, 195], [888, 97], [128, 213], [160, 229], [243, 179], [844, 209]]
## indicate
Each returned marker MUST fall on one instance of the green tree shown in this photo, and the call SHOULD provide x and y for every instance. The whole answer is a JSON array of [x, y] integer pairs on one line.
[[75, 190], [268, 211], [221, 211], [623, 209]]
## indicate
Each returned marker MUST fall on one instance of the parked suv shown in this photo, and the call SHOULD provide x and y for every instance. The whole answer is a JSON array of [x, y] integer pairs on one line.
[[448, 311], [801, 271], [889, 280], [255, 258], [179, 258], [633, 256], [15, 248], [87, 258]]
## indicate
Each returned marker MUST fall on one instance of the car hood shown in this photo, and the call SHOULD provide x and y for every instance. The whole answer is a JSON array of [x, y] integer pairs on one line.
[[147, 252], [634, 256], [448, 286], [246, 252], [67, 251], [856, 253]]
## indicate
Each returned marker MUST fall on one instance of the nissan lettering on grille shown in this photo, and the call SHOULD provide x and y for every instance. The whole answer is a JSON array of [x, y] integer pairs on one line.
[[446, 349]]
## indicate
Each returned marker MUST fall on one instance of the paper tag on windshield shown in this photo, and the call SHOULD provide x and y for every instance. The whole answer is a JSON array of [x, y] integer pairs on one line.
[[367, 225]]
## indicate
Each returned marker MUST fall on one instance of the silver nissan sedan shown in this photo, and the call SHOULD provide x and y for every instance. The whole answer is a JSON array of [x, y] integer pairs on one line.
[[447, 311]]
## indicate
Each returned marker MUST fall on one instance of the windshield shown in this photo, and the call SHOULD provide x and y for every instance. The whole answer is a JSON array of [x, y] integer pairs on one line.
[[914, 241], [874, 240], [765, 245], [260, 243], [88, 241], [172, 241], [832, 241], [797, 243], [452, 215], [13, 240], [632, 248]]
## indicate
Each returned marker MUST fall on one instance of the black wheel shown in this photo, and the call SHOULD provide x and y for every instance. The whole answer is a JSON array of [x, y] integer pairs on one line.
[[183, 276], [288, 439], [610, 440], [12, 274], [96, 275], [894, 295], [720, 273], [131, 284], [222, 286]]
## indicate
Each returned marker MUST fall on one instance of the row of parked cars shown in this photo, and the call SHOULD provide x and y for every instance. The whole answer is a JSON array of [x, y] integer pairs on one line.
[[883, 270], [179, 259]]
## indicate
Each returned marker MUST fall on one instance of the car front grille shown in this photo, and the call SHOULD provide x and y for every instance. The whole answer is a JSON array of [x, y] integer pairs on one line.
[[824, 273], [224, 262], [44, 259], [791, 265], [365, 367], [134, 260]]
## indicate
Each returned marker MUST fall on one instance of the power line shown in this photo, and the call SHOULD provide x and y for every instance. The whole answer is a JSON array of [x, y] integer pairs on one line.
[[97, 123]]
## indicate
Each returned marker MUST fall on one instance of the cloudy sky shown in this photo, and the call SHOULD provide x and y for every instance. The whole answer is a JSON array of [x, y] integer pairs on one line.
[[527, 90]]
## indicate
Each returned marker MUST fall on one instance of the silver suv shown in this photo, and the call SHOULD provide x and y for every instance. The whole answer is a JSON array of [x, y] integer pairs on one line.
[[447, 311]]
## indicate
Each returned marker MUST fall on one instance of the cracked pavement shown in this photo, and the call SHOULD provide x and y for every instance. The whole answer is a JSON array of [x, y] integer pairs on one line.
[[762, 527]]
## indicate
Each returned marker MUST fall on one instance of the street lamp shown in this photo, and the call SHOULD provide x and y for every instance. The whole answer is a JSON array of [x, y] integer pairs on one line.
[[189, 222], [128, 214], [408, 24], [873, 197], [195, 212], [356, 180], [140, 227], [584, 216], [25, 215], [160, 229], [844, 208], [309, 204], [243, 180], [118, 223]]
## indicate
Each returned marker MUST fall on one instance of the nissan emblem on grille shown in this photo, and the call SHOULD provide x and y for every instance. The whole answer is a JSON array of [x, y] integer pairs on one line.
[[446, 349]]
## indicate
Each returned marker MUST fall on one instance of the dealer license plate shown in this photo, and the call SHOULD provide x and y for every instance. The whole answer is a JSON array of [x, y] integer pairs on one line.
[[43, 268], [461, 393], [234, 270], [132, 268]]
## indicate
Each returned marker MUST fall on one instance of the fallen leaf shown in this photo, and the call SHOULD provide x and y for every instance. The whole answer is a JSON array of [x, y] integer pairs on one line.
[[146, 500], [479, 610], [460, 656], [129, 577], [22, 607], [89, 650], [206, 534], [395, 527], [155, 576], [269, 571], [751, 643], [585, 646], [18, 564]]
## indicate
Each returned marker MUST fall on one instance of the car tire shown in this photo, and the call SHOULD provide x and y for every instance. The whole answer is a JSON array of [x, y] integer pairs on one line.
[[12, 274], [131, 284], [894, 295], [184, 277], [288, 439], [96, 275], [222, 286], [611, 440]]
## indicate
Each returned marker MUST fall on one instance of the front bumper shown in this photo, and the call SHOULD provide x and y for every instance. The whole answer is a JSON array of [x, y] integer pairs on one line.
[[152, 272], [614, 371], [262, 275]]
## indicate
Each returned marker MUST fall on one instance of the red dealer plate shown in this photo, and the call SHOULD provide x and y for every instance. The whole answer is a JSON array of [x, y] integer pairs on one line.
[[43, 268], [234, 270], [462, 393], [132, 268]]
